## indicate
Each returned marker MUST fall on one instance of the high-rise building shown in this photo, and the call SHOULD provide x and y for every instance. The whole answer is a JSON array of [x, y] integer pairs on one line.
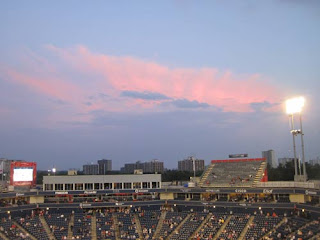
[[105, 165], [91, 169], [270, 156], [190, 164], [154, 166]]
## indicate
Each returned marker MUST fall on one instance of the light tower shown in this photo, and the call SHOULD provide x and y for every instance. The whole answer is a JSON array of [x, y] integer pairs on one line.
[[294, 106]]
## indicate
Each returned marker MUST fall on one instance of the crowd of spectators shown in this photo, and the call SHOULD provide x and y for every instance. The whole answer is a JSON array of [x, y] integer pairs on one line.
[[178, 222]]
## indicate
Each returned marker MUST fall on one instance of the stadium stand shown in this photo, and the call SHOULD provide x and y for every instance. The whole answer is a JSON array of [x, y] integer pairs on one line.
[[105, 226], [82, 225], [180, 223], [33, 225], [127, 224], [58, 223], [233, 173]]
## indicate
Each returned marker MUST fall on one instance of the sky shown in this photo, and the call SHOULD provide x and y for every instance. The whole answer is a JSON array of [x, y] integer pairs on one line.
[[141, 80]]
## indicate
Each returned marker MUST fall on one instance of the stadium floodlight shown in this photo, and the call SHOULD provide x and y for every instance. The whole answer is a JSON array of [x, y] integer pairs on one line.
[[294, 105]]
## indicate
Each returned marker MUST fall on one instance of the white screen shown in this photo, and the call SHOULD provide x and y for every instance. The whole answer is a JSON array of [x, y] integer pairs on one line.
[[22, 174]]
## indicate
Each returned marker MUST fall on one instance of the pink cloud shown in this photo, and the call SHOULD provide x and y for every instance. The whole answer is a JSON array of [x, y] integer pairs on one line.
[[111, 75], [226, 90]]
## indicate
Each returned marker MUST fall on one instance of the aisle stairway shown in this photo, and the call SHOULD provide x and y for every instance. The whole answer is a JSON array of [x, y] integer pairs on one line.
[[93, 227], [2, 236], [222, 228], [260, 173], [116, 226], [160, 224], [179, 226], [70, 227], [46, 227], [201, 225], [24, 231], [205, 175], [245, 229], [138, 225]]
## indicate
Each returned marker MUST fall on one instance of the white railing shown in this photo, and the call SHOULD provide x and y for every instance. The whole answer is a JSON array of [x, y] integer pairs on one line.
[[284, 184]]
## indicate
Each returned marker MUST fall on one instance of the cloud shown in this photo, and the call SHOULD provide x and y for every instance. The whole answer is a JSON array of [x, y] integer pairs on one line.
[[260, 106], [144, 95], [78, 82], [184, 103], [230, 91]]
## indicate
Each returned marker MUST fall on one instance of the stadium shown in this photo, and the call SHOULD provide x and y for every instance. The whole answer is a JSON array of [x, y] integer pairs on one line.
[[233, 199]]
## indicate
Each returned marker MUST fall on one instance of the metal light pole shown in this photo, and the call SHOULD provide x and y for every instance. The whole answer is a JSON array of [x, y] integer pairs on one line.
[[295, 106], [294, 148], [302, 146]]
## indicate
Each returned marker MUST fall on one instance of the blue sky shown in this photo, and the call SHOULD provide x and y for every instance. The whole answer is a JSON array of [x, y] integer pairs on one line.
[[130, 81]]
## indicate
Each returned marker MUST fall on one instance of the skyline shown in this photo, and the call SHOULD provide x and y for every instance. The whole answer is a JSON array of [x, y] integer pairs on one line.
[[164, 80]]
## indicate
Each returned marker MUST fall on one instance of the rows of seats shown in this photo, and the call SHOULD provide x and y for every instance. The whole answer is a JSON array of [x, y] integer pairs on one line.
[[149, 221], [189, 226], [11, 231], [308, 231], [235, 226], [261, 225], [33, 225], [238, 173], [104, 225], [289, 226], [58, 224], [212, 219], [82, 226], [127, 225], [211, 227], [171, 221]]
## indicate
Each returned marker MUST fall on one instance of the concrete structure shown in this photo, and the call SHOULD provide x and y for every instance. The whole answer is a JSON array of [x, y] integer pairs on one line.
[[5, 167], [154, 166], [187, 164], [101, 182], [285, 160], [270, 156], [91, 169], [105, 166]]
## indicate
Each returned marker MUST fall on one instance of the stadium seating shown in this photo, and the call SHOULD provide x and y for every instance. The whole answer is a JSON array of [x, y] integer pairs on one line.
[[261, 225], [58, 224], [33, 225], [11, 231], [127, 225], [211, 227], [232, 173], [82, 226], [180, 223], [105, 229], [172, 220]]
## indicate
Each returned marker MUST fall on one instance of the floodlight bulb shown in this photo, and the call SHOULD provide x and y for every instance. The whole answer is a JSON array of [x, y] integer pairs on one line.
[[295, 105], [54, 170]]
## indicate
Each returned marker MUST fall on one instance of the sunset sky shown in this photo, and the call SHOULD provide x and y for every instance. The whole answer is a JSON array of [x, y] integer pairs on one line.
[[141, 80]]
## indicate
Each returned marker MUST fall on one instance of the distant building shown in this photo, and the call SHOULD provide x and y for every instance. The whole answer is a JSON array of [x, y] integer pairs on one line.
[[270, 156], [105, 165], [5, 168], [285, 160], [154, 166], [315, 161], [187, 164], [91, 169]]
